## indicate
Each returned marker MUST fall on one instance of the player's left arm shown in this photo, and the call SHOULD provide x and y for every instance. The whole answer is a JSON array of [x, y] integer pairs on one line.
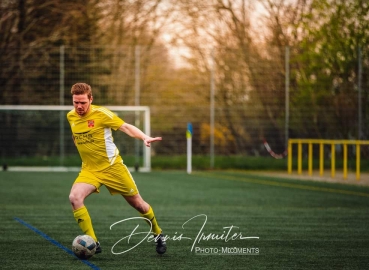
[[138, 134]]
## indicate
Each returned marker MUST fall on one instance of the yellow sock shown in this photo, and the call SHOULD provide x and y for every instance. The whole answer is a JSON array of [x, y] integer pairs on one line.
[[150, 215], [84, 221]]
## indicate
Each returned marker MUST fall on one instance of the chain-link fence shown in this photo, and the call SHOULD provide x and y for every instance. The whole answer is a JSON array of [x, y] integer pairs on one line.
[[256, 98]]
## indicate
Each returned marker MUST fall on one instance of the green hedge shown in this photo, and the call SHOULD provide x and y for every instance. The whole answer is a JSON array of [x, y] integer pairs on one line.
[[198, 162]]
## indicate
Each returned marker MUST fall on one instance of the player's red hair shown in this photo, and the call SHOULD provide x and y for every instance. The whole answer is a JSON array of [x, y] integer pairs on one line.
[[81, 89]]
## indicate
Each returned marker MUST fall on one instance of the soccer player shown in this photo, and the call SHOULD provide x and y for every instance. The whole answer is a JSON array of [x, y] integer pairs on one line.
[[101, 162]]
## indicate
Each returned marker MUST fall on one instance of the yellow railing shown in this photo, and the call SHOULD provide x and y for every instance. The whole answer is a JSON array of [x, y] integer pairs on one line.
[[321, 143]]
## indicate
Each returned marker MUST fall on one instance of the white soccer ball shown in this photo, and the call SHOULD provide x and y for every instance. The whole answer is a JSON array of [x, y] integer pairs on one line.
[[84, 246]]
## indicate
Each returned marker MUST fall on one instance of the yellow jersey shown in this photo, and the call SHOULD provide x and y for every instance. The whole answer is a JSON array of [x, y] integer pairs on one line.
[[93, 138]]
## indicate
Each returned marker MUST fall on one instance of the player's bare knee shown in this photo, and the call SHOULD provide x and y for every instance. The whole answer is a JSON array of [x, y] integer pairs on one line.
[[75, 200], [72, 199]]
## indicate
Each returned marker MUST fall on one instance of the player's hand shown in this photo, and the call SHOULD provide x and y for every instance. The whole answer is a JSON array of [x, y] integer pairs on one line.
[[149, 140]]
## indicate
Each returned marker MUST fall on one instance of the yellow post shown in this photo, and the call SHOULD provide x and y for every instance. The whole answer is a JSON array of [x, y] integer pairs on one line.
[[344, 161], [321, 159], [358, 162], [289, 154], [310, 158], [299, 157], [333, 160]]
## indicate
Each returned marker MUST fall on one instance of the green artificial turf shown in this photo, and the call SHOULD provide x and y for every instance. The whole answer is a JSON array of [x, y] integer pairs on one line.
[[299, 224]]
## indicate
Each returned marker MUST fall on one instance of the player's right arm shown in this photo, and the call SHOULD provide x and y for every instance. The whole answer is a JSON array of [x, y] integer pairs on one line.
[[69, 118]]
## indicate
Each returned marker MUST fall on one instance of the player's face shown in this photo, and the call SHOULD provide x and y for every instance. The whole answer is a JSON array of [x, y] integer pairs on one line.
[[82, 104]]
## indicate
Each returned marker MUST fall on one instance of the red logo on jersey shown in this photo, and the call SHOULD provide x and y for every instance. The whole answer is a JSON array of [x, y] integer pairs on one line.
[[90, 123]]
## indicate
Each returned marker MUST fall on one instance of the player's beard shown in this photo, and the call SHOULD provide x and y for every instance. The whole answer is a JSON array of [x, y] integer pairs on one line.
[[84, 112]]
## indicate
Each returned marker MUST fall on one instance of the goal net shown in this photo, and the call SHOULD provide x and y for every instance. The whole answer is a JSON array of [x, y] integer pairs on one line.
[[38, 138]]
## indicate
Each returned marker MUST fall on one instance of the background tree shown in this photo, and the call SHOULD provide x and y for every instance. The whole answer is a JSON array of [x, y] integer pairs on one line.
[[328, 71], [100, 38], [31, 33]]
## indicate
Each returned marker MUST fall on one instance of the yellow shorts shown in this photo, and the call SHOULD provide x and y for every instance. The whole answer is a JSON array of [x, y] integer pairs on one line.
[[116, 178]]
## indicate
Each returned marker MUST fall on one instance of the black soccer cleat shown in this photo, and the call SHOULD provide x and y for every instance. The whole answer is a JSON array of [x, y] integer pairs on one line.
[[161, 245], [98, 248]]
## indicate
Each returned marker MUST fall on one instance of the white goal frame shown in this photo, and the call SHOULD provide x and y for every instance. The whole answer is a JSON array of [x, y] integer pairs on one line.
[[146, 129]]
